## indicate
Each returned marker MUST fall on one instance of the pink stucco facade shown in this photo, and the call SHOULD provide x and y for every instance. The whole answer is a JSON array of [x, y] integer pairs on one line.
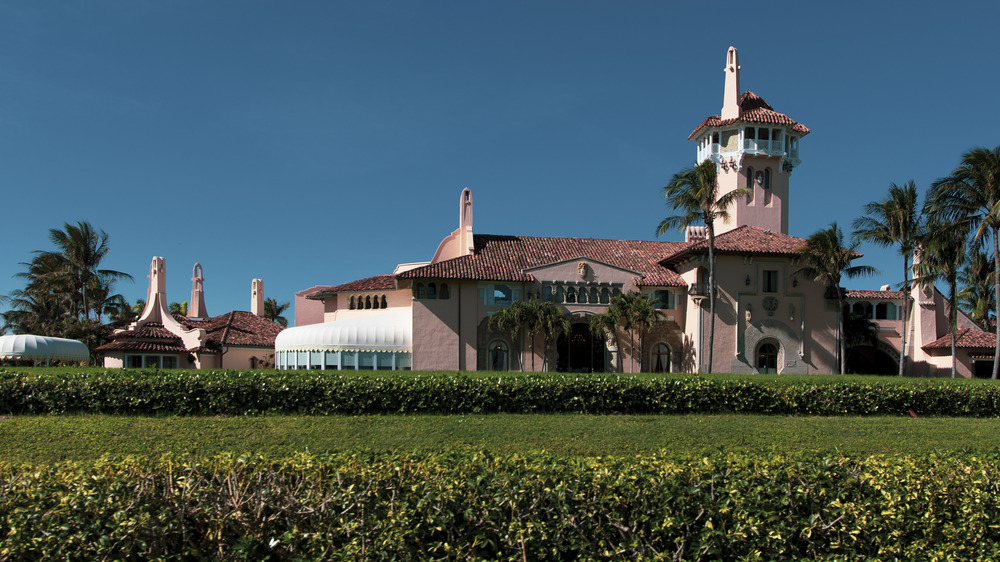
[[769, 316]]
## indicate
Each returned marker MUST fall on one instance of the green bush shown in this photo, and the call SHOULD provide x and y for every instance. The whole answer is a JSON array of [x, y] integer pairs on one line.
[[474, 505], [382, 392]]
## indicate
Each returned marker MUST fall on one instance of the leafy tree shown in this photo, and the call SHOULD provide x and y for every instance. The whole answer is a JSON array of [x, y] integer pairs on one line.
[[633, 313], [273, 311], [943, 252], [971, 194], [694, 192], [827, 261], [178, 308], [894, 221], [977, 278]]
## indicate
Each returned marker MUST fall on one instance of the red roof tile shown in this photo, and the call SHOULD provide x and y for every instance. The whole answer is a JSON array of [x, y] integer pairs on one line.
[[874, 295], [236, 328], [504, 258], [376, 283], [132, 345], [149, 331], [745, 240], [968, 338], [753, 109]]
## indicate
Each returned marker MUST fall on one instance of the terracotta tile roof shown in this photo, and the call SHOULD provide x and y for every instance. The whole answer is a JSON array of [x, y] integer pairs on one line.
[[874, 295], [504, 258], [148, 331], [132, 345], [376, 283], [236, 328], [753, 109], [968, 338], [745, 240]]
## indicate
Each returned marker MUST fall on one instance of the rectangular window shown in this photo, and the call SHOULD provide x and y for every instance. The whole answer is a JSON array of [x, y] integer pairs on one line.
[[664, 299], [169, 362], [134, 361], [770, 281]]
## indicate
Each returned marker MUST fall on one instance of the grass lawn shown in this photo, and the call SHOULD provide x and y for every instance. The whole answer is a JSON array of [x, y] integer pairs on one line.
[[46, 439]]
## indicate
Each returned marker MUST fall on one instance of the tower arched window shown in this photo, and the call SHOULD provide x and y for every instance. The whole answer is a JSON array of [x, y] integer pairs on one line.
[[420, 291], [432, 291], [767, 178], [443, 292], [750, 185]]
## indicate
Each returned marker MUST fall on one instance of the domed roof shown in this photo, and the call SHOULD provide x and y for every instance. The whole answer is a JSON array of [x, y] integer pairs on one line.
[[387, 330], [27, 346]]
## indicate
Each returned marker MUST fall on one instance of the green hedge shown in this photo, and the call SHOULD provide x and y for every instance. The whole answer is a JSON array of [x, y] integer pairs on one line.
[[380, 392], [473, 506]]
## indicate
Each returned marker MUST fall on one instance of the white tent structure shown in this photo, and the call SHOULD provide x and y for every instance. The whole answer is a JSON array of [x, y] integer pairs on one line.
[[42, 348], [381, 340]]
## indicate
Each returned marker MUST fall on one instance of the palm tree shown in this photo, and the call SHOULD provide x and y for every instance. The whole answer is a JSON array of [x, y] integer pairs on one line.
[[178, 308], [273, 312], [942, 256], [894, 221], [633, 313], [80, 249], [512, 320], [972, 193], [695, 193], [552, 322], [605, 325], [827, 261], [977, 278]]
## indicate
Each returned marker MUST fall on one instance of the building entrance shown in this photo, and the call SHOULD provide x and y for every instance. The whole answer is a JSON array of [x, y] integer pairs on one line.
[[581, 352]]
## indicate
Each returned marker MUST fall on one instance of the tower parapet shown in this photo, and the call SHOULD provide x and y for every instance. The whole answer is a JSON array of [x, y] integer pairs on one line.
[[754, 147]]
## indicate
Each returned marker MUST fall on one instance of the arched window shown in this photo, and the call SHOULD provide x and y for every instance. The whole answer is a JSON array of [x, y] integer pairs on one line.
[[767, 358], [384, 305], [594, 298], [571, 295], [419, 291], [375, 302], [432, 292], [581, 297], [496, 359], [444, 293], [560, 294], [352, 305], [750, 185], [605, 296], [767, 178], [368, 302], [660, 358]]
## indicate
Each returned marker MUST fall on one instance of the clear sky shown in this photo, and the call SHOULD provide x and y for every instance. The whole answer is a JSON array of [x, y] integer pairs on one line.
[[314, 143]]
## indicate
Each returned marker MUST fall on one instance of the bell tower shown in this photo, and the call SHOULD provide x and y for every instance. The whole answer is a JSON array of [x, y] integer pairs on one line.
[[754, 147]]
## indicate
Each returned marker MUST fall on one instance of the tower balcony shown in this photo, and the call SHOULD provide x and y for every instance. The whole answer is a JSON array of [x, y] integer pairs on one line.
[[764, 147]]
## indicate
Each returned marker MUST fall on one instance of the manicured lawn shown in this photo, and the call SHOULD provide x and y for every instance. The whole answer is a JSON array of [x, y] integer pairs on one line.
[[80, 437]]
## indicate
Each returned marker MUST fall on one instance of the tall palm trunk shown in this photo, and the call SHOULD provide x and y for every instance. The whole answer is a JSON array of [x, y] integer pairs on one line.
[[711, 293], [996, 265], [906, 316], [841, 342]]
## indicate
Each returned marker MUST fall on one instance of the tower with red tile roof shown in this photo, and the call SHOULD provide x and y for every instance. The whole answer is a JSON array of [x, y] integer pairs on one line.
[[753, 146]]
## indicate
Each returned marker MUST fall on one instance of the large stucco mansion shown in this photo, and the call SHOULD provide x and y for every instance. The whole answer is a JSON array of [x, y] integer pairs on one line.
[[770, 317]]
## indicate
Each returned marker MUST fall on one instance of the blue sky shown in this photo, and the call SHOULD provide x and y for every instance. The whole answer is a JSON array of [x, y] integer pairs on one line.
[[311, 143]]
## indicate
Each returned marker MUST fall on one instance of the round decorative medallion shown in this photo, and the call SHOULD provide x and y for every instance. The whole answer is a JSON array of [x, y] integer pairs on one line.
[[770, 305]]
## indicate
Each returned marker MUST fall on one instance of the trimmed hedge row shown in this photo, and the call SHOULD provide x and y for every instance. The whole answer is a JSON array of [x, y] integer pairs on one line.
[[249, 393], [475, 506]]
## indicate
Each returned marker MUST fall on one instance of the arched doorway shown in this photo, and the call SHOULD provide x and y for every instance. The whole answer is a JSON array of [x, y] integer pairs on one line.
[[767, 358], [581, 352], [659, 359], [497, 357]]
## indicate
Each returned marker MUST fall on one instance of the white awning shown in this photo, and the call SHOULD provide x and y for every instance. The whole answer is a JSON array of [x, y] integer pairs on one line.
[[27, 346], [389, 330]]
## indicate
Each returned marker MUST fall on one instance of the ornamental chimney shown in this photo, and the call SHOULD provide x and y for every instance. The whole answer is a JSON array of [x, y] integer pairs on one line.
[[731, 99], [257, 297]]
